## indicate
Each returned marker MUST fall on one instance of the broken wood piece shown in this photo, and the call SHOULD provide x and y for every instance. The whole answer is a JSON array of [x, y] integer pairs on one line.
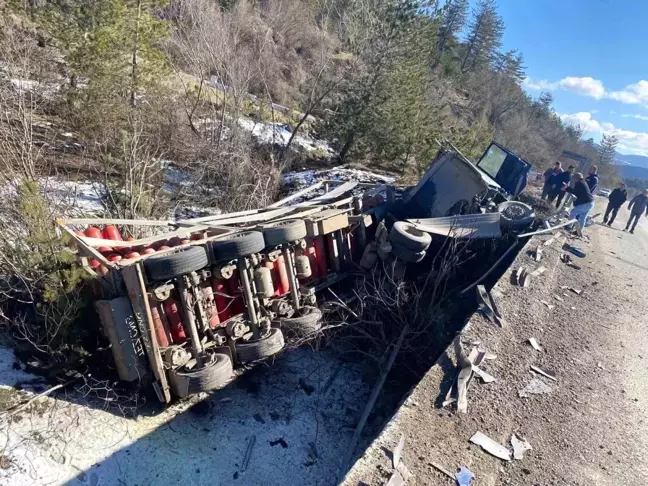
[[535, 387], [558, 298], [398, 451], [535, 344], [441, 469], [404, 471], [486, 377], [549, 306], [490, 356], [549, 374], [539, 271], [549, 241], [538, 254], [490, 446], [488, 307], [576, 291], [520, 446], [248, 452]]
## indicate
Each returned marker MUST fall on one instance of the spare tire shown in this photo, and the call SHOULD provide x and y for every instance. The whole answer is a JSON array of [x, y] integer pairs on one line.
[[406, 254], [515, 215], [230, 247], [213, 375], [187, 260], [269, 345], [408, 236], [308, 322], [284, 232]]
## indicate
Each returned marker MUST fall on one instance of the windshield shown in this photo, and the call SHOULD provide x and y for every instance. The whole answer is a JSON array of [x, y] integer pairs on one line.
[[492, 161]]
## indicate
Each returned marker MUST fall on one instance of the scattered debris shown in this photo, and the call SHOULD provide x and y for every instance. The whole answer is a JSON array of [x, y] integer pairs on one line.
[[535, 344], [248, 452], [490, 356], [539, 271], [558, 298], [549, 306], [548, 230], [280, 442], [600, 365], [441, 469], [575, 251], [549, 241], [490, 446], [565, 258], [535, 387], [549, 374], [464, 476], [400, 476], [520, 446], [398, 451], [488, 308], [486, 377], [538, 254], [465, 375], [576, 291]]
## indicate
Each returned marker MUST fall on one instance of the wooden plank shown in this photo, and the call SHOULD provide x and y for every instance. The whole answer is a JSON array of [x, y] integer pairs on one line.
[[134, 281], [255, 218], [216, 217], [83, 246], [96, 242], [335, 193], [134, 222], [297, 194]]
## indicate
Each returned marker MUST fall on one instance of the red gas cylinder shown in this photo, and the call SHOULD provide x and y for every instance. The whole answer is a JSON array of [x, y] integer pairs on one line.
[[160, 332], [105, 250], [280, 275], [311, 253], [114, 257], [210, 304], [219, 290], [131, 255], [111, 232], [148, 251], [172, 312], [233, 285], [93, 232], [320, 256]]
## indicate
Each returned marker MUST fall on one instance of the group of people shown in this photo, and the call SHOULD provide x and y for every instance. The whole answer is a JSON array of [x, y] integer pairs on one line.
[[558, 182]]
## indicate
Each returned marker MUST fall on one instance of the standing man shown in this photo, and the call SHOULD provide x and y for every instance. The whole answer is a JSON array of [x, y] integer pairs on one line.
[[637, 205], [616, 200], [557, 182], [592, 179], [584, 199], [546, 188]]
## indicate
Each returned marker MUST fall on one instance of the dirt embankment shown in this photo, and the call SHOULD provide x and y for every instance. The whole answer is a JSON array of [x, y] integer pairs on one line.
[[590, 428]]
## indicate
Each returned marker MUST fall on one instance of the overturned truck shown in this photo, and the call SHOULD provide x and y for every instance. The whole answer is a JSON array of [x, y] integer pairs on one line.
[[185, 302]]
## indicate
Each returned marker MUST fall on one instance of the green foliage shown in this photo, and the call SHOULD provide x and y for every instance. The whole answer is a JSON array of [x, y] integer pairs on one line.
[[484, 36], [607, 149]]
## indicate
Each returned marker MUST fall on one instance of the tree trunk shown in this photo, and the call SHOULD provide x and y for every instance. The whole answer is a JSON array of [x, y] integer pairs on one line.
[[133, 94]]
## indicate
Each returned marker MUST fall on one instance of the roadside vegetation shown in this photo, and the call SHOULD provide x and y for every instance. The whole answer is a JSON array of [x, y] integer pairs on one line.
[[119, 91]]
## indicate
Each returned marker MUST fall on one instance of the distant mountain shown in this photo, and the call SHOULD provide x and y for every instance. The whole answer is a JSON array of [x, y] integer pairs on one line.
[[636, 160], [633, 172]]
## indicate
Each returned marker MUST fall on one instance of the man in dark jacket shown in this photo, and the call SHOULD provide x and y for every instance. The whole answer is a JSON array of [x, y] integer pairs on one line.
[[637, 206], [557, 181], [615, 201], [546, 188], [592, 179], [584, 200]]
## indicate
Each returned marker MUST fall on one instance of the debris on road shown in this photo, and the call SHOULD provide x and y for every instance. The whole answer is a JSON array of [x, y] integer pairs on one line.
[[576, 251], [488, 308], [490, 446], [535, 344], [398, 451], [535, 387], [248, 452], [576, 291], [538, 254], [464, 476], [486, 377], [549, 306], [549, 374], [549, 241], [539, 271], [400, 476], [520, 446], [464, 376], [441, 469], [558, 298]]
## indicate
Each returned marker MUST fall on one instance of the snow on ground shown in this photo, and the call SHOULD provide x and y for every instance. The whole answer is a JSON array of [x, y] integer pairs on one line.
[[301, 411], [279, 133], [11, 374]]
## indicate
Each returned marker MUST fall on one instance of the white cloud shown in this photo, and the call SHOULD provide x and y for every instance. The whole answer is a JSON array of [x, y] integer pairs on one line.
[[585, 86], [629, 142], [638, 117], [633, 94]]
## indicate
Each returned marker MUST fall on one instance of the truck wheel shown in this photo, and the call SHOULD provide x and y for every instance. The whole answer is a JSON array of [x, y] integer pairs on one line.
[[307, 323], [185, 261], [214, 374], [515, 215], [284, 232], [408, 236], [406, 254], [269, 345], [237, 245]]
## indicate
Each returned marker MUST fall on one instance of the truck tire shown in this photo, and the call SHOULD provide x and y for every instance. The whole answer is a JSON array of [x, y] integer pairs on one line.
[[306, 324], [406, 254], [237, 245], [184, 261], [269, 345], [515, 215], [284, 232], [408, 236], [213, 375]]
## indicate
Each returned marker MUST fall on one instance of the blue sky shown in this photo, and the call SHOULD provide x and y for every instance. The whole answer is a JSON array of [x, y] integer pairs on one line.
[[593, 56]]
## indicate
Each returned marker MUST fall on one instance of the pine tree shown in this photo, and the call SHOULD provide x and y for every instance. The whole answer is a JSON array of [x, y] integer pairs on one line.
[[511, 64], [607, 149], [484, 36], [453, 20]]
